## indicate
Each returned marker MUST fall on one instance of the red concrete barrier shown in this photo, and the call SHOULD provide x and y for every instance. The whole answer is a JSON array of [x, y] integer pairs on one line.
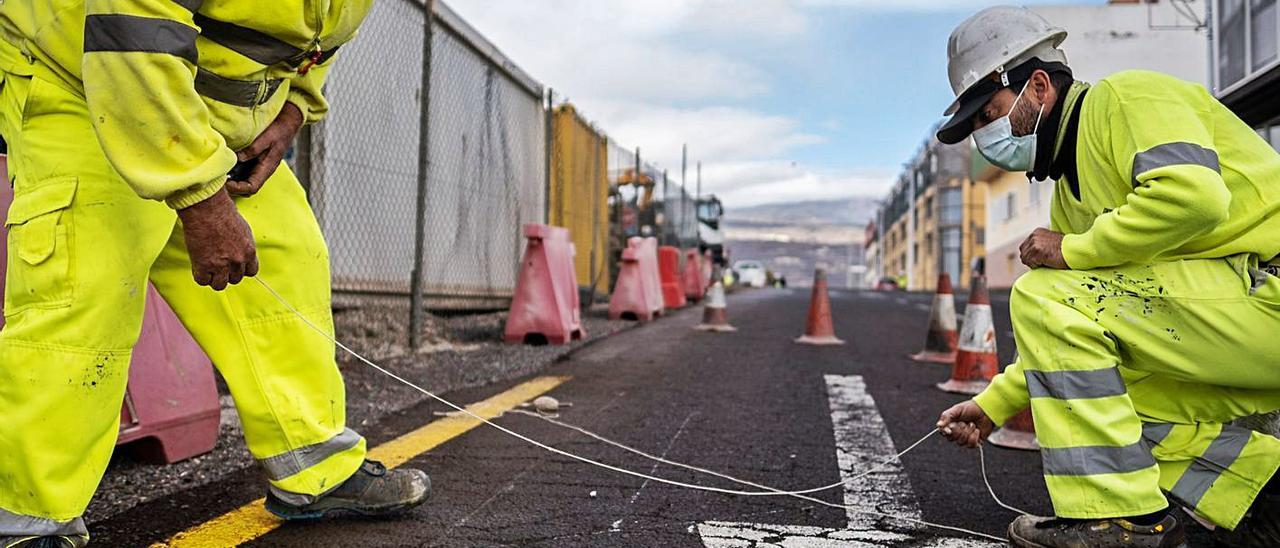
[[669, 269], [171, 406], [647, 253], [695, 284], [545, 309], [633, 293]]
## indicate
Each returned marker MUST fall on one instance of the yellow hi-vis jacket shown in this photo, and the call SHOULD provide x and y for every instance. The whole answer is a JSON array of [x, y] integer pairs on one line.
[[1166, 173], [174, 87]]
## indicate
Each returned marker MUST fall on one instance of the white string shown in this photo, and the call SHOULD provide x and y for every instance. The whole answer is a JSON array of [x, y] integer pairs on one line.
[[769, 490], [778, 492], [982, 458]]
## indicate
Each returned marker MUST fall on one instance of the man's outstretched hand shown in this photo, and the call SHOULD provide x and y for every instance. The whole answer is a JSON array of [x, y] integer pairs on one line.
[[1043, 249], [219, 242], [266, 152], [965, 424]]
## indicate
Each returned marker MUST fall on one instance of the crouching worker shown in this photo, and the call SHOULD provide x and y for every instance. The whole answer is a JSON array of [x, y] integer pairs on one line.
[[1151, 318], [123, 119]]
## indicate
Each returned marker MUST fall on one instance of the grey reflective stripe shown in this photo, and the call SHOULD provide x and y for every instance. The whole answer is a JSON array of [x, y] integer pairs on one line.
[[263, 48], [1205, 469], [1156, 432], [1174, 154], [1097, 459], [240, 93], [287, 464], [18, 525], [191, 5], [130, 33], [1075, 385]]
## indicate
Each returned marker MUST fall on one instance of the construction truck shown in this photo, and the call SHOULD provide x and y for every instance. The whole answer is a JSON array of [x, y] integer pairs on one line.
[[710, 233]]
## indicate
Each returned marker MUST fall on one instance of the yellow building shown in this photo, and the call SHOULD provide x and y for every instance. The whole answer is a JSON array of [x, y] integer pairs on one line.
[[934, 220], [1015, 208]]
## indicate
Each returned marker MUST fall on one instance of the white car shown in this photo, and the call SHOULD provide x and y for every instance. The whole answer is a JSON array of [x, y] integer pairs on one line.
[[750, 273]]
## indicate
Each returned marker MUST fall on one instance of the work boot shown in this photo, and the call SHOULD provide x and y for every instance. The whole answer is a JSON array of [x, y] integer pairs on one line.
[[1260, 529], [1037, 532], [371, 491], [44, 542]]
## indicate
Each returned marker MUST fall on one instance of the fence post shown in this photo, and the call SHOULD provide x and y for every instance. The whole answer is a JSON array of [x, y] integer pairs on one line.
[[417, 306], [665, 225], [549, 145], [697, 203]]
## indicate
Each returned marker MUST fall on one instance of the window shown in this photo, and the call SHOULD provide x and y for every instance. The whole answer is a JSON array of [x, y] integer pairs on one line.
[[1248, 39], [928, 208], [951, 251], [1011, 205], [952, 206], [1262, 24], [1034, 200], [1231, 34]]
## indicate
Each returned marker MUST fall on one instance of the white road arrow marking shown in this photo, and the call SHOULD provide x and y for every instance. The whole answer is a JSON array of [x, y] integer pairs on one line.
[[862, 441]]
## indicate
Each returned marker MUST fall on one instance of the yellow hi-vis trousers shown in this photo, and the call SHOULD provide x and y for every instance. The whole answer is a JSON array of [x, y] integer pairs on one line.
[[82, 246], [1133, 373]]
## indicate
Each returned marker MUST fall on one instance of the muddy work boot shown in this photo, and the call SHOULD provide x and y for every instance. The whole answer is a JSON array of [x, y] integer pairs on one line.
[[44, 542], [1036, 532], [1261, 529], [371, 491]]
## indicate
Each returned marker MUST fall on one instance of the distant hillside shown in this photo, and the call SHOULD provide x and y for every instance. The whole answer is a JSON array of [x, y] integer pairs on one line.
[[848, 212]]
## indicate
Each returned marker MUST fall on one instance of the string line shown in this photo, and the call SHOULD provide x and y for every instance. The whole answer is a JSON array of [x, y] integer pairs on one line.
[[768, 491]]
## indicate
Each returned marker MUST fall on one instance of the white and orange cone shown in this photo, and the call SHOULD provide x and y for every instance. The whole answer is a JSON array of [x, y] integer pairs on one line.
[[976, 362], [819, 331], [1019, 432], [940, 343], [715, 315]]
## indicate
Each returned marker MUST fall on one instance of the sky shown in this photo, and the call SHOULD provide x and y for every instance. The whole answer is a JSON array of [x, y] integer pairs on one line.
[[782, 100]]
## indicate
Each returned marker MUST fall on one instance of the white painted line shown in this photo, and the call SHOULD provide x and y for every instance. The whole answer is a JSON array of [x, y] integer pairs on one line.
[[862, 441]]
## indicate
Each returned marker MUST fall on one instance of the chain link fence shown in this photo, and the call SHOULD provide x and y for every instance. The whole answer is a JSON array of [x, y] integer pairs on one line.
[[439, 149], [488, 167], [363, 168]]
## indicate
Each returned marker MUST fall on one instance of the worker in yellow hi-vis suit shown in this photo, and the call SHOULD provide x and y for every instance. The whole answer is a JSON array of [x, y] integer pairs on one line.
[[123, 119], [1151, 318]]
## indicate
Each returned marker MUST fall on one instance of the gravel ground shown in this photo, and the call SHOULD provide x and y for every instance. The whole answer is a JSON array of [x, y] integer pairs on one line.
[[461, 351]]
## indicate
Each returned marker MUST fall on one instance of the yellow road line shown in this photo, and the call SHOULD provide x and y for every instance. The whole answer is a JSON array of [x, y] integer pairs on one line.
[[252, 520]]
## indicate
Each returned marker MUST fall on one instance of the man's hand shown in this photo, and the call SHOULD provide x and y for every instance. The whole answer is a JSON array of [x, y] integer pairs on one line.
[[267, 150], [1043, 249], [219, 242], [965, 424]]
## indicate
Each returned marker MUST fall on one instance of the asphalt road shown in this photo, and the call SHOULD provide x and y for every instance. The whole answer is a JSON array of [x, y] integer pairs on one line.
[[751, 404]]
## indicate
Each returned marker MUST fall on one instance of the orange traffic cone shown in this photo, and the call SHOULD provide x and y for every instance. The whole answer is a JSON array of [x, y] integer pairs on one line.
[[715, 317], [940, 343], [976, 363], [1019, 432], [818, 329]]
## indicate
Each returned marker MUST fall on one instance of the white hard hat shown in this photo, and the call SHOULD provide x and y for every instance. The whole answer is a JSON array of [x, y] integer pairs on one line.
[[994, 41]]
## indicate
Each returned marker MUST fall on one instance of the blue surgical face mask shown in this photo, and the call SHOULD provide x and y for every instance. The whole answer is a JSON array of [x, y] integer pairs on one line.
[[1002, 148]]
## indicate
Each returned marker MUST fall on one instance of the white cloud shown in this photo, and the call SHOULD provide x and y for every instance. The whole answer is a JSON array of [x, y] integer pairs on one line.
[[713, 133], [920, 5], [748, 183], [660, 73]]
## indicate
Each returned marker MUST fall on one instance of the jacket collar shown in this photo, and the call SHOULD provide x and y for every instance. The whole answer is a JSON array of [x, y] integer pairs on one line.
[[1049, 159]]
